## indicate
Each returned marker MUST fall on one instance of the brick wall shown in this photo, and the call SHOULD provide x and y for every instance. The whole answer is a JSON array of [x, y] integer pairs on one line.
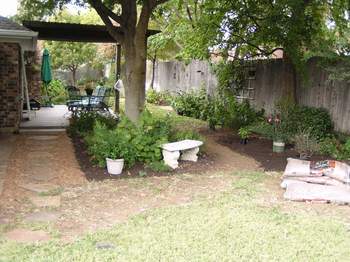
[[9, 85], [33, 74]]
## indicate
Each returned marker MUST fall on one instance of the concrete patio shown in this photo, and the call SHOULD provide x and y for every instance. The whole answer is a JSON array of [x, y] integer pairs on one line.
[[55, 118]]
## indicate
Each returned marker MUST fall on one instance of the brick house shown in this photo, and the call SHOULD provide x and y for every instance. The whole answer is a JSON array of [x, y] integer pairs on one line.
[[19, 79]]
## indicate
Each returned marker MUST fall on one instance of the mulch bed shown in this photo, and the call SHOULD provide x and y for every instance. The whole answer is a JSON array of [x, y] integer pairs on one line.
[[261, 150], [96, 173]]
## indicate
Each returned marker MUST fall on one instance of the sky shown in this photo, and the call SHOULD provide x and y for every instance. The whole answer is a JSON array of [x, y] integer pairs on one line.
[[8, 7]]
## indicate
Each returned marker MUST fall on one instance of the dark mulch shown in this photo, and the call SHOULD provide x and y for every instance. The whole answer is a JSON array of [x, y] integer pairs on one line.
[[261, 150], [93, 172]]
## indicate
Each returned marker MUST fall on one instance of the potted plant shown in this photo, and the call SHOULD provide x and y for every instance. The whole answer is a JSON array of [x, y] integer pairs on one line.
[[278, 133], [114, 159], [244, 133], [89, 91]]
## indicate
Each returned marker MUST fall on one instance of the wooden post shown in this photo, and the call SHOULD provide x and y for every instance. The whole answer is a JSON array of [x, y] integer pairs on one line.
[[117, 72]]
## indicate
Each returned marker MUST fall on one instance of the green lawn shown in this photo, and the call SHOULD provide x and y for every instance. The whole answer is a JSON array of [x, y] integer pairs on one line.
[[231, 226]]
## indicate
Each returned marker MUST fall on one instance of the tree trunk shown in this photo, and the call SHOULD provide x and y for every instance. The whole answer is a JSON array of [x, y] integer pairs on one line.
[[135, 67], [154, 60], [74, 76]]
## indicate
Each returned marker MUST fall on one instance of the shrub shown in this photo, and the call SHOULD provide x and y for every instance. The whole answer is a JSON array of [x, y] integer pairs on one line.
[[57, 92], [296, 118], [218, 109], [177, 135], [190, 104], [159, 166], [332, 147], [112, 143], [244, 133], [158, 98], [329, 147], [149, 135], [305, 144], [84, 122]]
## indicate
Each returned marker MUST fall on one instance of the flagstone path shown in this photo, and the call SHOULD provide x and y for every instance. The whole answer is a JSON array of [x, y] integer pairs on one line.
[[46, 195], [34, 170]]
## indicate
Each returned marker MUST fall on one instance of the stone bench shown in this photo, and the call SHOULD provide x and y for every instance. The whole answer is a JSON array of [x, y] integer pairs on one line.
[[188, 149]]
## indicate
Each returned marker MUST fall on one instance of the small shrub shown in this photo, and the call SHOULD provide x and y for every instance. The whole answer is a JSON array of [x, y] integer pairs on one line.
[[158, 98], [112, 143], [346, 149], [305, 144], [149, 135], [329, 147], [296, 118], [244, 133], [159, 166], [190, 104], [57, 92], [177, 135], [83, 123]]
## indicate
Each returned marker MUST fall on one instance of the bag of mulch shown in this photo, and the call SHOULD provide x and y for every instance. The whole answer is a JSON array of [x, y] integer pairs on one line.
[[296, 168], [301, 191], [322, 180], [333, 169]]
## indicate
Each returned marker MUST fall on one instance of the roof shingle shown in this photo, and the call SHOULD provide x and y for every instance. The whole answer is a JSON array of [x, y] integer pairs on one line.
[[7, 24]]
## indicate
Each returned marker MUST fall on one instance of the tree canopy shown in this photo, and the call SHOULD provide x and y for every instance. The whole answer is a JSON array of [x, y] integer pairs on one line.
[[72, 55]]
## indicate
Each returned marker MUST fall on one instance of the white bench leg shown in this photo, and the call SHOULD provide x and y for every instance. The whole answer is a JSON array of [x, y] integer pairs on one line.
[[190, 154], [170, 158]]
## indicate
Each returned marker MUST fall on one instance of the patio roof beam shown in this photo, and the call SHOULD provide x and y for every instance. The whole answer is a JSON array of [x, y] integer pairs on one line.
[[74, 32]]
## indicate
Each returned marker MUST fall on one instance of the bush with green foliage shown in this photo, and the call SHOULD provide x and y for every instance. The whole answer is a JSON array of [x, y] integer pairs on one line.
[[218, 109], [330, 146], [84, 122], [56, 91], [148, 135], [139, 142], [297, 118], [177, 135], [113, 143], [158, 98], [191, 104]]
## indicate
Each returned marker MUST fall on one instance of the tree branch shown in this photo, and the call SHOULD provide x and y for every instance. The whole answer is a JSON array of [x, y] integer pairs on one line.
[[101, 10]]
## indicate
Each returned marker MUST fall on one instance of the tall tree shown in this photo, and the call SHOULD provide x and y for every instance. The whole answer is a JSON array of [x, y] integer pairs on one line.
[[256, 28], [132, 35]]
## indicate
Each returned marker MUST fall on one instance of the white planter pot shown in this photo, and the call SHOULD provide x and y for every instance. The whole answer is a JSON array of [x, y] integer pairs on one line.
[[115, 166], [278, 146]]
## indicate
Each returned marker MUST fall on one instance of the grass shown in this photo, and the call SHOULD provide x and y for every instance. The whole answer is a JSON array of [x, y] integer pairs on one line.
[[182, 122], [229, 227]]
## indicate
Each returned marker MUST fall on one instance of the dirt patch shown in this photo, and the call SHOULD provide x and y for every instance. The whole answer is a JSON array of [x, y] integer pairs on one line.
[[214, 158], [260, 149]]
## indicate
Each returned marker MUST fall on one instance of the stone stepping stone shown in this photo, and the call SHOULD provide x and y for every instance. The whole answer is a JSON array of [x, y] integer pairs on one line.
[[42, 216], [39, 188], [46, 201], [40, 154], [105, 245], [1, 185], [27, 236], [43, 138], [40, 173]]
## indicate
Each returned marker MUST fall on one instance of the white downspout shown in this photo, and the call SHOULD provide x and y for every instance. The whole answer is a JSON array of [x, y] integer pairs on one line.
[[25, 83]]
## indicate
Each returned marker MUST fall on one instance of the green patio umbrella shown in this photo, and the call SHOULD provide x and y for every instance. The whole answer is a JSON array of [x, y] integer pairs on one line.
[[46, 75]]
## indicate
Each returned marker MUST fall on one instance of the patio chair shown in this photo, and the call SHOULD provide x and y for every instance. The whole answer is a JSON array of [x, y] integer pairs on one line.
[[73, 92], [98, 101]]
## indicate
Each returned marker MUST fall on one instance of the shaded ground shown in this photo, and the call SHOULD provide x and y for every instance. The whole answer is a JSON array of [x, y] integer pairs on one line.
[[80, 206], [260, 149]]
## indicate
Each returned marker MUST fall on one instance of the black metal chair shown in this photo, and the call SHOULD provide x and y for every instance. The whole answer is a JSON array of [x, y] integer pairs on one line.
[[98, 101]]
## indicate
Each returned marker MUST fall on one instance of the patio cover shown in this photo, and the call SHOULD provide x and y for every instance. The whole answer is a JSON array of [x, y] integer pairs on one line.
[[74, 32]]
